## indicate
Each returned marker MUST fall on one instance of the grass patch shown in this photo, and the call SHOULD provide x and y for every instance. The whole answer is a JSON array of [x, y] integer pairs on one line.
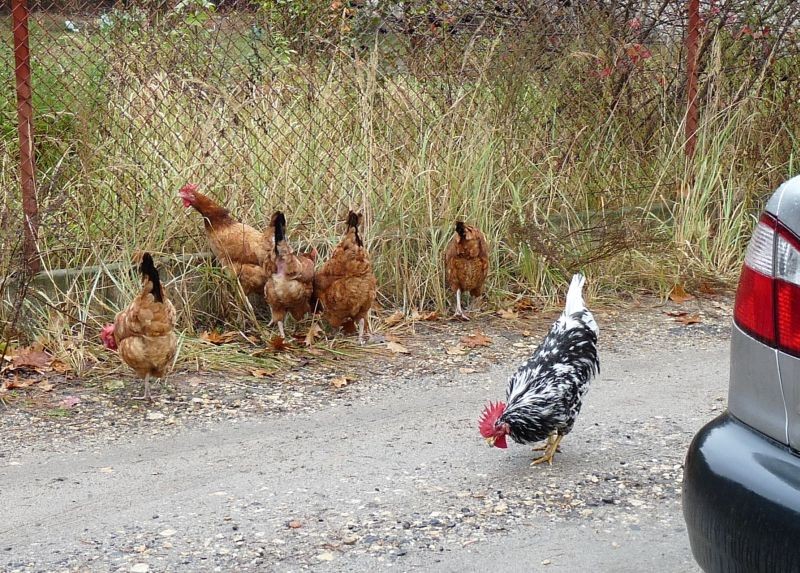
[[563, 167]]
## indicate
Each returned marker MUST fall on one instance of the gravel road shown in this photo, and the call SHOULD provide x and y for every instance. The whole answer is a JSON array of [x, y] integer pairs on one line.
[[390, 477]]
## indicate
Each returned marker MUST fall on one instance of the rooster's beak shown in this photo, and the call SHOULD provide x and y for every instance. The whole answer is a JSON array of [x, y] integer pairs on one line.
[[490, 440]]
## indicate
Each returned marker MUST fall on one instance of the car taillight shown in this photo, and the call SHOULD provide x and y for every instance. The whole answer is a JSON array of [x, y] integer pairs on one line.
[[768, 298]]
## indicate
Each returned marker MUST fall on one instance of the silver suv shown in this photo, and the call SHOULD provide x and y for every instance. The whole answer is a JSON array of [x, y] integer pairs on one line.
[[741, 490]]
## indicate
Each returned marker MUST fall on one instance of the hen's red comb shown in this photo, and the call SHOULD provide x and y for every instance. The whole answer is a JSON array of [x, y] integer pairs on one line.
[[489, 416]]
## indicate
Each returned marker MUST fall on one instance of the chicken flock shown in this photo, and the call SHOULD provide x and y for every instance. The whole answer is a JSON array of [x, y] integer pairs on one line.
[[543, 397]]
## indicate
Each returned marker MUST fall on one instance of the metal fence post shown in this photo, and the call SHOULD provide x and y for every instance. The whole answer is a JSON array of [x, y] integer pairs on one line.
[[692, 41], [22, 61]]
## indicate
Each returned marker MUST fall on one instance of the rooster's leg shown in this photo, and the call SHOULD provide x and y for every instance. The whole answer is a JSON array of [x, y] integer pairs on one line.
[[280, 329], [547, 445], [361, 330], [549, 452]]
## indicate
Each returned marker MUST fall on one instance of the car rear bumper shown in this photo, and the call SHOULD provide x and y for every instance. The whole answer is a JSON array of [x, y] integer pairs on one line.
[[741, 500]]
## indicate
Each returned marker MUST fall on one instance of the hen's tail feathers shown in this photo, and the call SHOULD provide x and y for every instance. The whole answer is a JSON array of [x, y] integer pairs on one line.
[[461, 229], [279, 222], [148, 269], [352, 221], [575, 295]]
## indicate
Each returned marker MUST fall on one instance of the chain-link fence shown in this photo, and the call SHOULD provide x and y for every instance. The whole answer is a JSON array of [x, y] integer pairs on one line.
[[557, 125]]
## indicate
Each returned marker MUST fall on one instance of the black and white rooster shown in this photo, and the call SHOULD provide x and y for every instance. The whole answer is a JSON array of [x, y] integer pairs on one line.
[[544, 395]]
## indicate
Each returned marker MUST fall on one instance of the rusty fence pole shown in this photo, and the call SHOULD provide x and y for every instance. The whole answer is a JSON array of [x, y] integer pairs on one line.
[[692, 41], [22, 61]]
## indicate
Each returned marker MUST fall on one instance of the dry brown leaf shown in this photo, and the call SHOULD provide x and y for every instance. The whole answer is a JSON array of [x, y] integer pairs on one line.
[[397, 348], [16, 383], [339, 382], [524, 304], [45, 386], [679, 294], [526, 333], [476, 339], [60, 366], [314, 331], [454, 350], [507, 314], [294, 524], [260, 373], [31, 358], [707, 288], [215, 337], [425, 315], [278, 344], [467, 370], [675, 312], [689, 319], [394, 318]]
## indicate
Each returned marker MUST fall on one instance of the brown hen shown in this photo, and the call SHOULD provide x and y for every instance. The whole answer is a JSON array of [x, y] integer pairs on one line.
[[289, 288], [248, 253], [345, 284], [144, 333], [466, 263]]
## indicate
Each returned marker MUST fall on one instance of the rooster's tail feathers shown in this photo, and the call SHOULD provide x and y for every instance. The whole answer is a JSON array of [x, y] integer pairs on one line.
[[575, 295], [149, 271]]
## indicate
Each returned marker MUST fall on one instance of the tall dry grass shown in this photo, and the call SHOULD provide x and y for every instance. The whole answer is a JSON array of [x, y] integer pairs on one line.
[[562, 167]]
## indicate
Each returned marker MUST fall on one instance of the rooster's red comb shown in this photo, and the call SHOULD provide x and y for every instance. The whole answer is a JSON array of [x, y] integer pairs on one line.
[[489, 417]]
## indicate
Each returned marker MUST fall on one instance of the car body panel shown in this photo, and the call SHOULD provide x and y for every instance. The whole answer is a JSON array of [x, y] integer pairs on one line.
[[785, 205], [741, 500], [755, 395]]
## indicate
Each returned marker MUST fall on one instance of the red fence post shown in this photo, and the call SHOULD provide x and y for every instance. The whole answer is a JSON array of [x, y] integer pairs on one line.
[[692, 41], [22, 61]]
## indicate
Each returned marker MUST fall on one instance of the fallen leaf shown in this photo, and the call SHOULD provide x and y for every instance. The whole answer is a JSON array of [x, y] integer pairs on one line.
[[30, 359], [524, 304], [675, 312], [526, 333], [397, 348], [107, 470], [278, 344], [507, 314], [17, 383], [688, 319], [679, 294], [45, 386], [294, 524], [260, 373], [60, 366], [707, 288], [314, 331], [339, 382], [454, 350], [394, 318], [215, 337], [467, 370], [427, 315], [70, 401], [476, 339]]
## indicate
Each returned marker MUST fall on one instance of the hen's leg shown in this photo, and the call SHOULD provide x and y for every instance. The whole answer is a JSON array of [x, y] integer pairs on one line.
[[280, 329], [459, 310], [361, 330], [147, 395], [549, 452]]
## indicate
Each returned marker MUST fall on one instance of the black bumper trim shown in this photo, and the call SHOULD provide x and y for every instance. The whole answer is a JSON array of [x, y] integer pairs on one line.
[[741, 500]]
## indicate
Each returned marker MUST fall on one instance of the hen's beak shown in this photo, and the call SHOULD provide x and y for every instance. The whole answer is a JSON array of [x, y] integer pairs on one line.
[[490, 440]]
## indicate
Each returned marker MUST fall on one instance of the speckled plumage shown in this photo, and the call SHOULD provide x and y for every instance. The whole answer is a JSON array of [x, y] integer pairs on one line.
[[544, 396]]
